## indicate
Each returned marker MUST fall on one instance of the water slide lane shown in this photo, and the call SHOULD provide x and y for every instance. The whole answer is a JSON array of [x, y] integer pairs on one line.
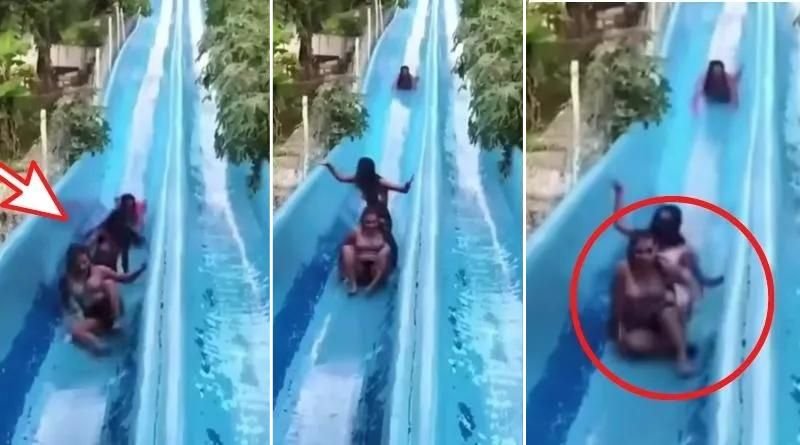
[[474, 312], [568, 402], [225, 313], [332, 354], [50, 385]]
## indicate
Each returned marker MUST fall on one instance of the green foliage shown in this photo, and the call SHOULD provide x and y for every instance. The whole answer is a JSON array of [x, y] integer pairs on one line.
[[625, 87], [15, 81], [491, 62], [547, 68], [338, 114], [236, 74], [86, 33], [348, 24], [130, 7], [82, 129]]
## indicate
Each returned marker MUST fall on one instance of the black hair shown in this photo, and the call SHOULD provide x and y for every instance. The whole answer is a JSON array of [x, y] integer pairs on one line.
[[74, 251], [716, 87], [404, 79], [667, 230], [368, 181]]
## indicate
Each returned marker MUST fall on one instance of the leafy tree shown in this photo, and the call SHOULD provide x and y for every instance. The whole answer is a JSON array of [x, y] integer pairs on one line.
[[624, 87], [285, 69], [81, 129], [47, 20], [338, 114], [491, 61], [308, 18], [236, 74], [546, 71], [15, 80]]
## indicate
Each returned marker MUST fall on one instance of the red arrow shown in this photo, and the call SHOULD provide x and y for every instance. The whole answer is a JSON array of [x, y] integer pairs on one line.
[[32, 195]]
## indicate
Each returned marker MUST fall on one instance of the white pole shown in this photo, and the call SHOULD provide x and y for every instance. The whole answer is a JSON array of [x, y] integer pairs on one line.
[[576, 122], [377, 18], [97, 65], [306, 141], [120, 32], [369, 30], [110, 55], [357, 64], [43, 131], [652, 9]]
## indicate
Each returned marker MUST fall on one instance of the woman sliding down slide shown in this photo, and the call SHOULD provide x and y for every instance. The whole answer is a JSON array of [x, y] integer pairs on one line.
[[665, 228], [91, 297], [645, 319], [366, 256], [717, 86]]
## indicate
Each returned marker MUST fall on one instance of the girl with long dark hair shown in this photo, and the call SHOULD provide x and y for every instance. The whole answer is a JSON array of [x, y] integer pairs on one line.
[[665, 226]]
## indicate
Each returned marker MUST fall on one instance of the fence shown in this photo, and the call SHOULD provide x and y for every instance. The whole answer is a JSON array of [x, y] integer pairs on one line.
[[44, 150]]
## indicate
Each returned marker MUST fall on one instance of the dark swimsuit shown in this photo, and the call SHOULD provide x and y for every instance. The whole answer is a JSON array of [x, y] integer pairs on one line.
[[365, 277], [718, 92]]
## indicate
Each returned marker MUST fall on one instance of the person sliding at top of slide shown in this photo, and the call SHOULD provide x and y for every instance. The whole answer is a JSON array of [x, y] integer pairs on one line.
[[375, 192], [645, 318], [717, 86], [405, 81], [672, 246]]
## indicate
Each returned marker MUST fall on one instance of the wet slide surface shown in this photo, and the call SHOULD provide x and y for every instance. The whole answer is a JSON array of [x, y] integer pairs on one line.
[[722, 155], [337, 363], [56, 393]]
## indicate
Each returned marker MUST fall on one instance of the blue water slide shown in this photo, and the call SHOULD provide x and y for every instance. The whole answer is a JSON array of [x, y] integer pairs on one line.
[[56, 393], [722, 155], [436, 356]]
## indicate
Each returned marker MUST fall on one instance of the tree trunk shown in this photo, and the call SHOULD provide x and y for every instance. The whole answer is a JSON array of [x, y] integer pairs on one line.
[[44, 67], [306, 56]]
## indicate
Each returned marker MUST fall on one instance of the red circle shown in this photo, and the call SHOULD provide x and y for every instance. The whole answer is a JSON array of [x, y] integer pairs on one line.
[[680, 396]]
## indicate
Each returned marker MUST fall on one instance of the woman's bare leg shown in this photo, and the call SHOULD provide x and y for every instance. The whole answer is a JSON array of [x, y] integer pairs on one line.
[[83, 332], [380, 268], [350, 267], [674, 328], [111, 289]]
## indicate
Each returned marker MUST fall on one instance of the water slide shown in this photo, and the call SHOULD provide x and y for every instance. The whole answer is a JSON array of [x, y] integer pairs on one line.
[[435, 356], [188, 334], [733, 158]]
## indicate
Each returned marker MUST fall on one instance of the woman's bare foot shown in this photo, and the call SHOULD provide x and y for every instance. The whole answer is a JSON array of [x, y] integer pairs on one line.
[[353, 289]]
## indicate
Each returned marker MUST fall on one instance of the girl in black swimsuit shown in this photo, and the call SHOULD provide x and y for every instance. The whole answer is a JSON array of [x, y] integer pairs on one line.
[[645, 319]]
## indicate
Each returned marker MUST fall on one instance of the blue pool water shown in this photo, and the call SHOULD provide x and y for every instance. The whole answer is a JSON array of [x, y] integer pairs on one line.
[[436, 356], [736, 159], [192, 365]]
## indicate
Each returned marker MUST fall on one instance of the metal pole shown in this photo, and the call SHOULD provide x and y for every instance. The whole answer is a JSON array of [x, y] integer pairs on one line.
[[378, 18], [357, 64], [369, 30], [43, 131], [97, 65], [120, 31], [110, 56], [652, 14], [306, 141], [576, 122]]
